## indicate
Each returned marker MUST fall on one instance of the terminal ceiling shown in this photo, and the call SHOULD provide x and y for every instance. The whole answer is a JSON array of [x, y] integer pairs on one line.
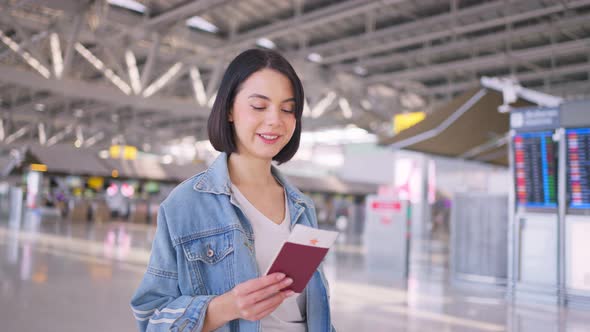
[[99, 73]]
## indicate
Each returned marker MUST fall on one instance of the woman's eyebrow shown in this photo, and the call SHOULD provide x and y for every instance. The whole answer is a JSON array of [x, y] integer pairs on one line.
[[256, 95]]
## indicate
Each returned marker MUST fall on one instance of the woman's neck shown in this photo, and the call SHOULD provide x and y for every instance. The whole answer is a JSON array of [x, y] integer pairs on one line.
[[244, 170]]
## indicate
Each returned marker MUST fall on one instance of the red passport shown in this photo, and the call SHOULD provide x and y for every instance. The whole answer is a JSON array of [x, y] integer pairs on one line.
[[301, 255]]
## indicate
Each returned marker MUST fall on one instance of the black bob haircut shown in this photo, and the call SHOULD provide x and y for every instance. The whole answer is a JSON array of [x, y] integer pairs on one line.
[[220, 130]]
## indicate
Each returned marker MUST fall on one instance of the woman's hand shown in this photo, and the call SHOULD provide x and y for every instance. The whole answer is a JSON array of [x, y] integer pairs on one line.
[[257, 298], [251, 300]]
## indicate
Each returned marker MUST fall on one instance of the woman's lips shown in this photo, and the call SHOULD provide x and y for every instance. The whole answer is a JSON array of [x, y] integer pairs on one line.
[[269, 138]]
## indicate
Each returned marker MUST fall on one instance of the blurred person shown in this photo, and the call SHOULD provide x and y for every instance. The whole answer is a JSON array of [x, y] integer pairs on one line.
[[218, 231]]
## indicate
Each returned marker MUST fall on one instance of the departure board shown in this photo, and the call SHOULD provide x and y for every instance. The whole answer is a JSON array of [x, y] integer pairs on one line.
[[536, 169], [578, 168]]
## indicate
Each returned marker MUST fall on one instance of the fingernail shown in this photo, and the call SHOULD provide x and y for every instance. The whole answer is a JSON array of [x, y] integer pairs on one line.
[[280, 276], [289, 293], [288, 281]]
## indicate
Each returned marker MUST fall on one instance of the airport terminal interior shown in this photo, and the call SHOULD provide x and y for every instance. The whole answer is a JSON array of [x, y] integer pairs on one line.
[[447, 141]]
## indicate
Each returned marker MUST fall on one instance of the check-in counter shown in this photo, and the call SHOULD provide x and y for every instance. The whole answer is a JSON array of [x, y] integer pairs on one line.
[[100, 211], [79, 211], [139, 212]]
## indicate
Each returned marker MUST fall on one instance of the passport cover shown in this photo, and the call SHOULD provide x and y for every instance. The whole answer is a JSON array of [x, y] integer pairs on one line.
[[301, 254], [298, 262]]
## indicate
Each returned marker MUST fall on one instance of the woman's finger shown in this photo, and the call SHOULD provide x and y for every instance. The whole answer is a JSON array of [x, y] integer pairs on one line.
[[264, 293], [270, 303], [254, 285]]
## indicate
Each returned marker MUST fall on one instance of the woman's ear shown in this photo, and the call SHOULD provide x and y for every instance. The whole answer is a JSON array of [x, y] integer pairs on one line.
[[230, 116]]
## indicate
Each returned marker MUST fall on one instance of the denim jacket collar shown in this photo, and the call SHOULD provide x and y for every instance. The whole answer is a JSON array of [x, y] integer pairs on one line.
[[216, 180]]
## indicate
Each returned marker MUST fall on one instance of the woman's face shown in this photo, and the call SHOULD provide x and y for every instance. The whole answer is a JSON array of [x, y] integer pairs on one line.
[[263, 114]]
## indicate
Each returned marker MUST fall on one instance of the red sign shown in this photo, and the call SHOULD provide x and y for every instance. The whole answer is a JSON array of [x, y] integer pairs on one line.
[[386, 205]]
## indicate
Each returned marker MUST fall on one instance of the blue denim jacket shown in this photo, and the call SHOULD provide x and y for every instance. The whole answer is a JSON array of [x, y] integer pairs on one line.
[[204, 246]]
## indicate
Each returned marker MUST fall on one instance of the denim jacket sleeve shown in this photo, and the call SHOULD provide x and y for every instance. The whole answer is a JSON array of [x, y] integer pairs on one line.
[[158, 304]]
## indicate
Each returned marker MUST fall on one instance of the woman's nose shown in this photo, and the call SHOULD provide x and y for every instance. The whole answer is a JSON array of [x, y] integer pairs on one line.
[[273, 116]]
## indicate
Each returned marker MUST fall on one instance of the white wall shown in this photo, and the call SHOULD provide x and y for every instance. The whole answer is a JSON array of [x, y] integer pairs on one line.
[[367, 163], [454, 175]]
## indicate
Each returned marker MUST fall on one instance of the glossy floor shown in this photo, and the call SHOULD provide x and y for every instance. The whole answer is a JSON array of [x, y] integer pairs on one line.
[[57, 276]]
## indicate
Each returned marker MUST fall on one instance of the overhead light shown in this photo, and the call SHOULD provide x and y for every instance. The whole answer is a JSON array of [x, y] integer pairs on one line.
[[266, 43], [92, 140], [39, 107], [103, 154], [167, 159], [198, 86], [133, 71], [78, 143], [314, 57], [412, 100], [99, 65], [79, 134], [366, 104], [360, 70], [212, 100], [25, 55], [38, 167], [59, 136], [323, 104], [16, 135], [382, 90], [42, 133], [79, 113], [128, 4], [345, 107], [306, 110], [58, 62], [200, 23], [160, 82]]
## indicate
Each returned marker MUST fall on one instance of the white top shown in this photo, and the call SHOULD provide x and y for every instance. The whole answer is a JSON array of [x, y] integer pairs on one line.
[[290, 315]]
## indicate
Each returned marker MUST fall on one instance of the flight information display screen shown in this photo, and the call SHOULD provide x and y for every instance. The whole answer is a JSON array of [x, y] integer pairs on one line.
[[535, 156], [578, 167]]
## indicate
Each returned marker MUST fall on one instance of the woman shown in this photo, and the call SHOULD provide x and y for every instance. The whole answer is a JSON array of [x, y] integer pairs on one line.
[[219, 230]]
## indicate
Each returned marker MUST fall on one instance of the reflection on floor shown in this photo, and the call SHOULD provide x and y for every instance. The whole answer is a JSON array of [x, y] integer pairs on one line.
[[57, 276]]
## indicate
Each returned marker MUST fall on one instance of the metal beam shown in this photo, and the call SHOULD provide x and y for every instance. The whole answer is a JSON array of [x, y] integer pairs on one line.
[[215, 78], [104, 94], [23, 45], [486, 146], [33, 62], [305, 22], [171, 75], [151, 59], [404, 28], [413, 40], [99, 65], [484, 41], [17, 134], [72, 39], [521, 77], [485, 62], [25, 36], [127, 21], [190, 8]]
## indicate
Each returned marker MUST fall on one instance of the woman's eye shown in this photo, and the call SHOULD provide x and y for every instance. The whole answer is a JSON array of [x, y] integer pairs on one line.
[[288, 110], [258, 108]]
